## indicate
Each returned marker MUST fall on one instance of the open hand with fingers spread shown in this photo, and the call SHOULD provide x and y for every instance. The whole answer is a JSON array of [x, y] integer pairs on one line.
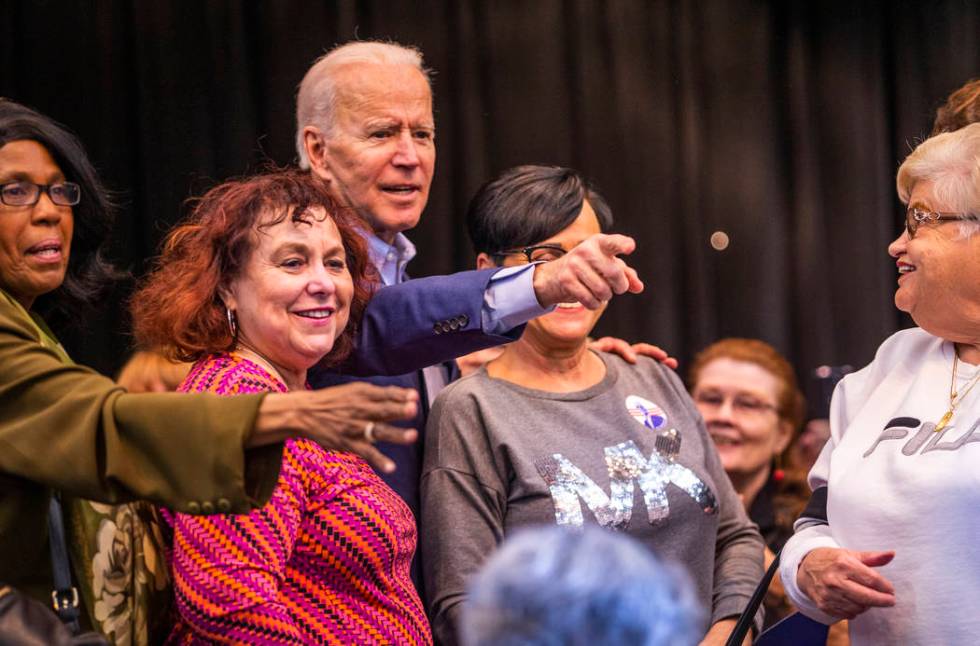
[[843, 583], [589, 274], [350, 417]]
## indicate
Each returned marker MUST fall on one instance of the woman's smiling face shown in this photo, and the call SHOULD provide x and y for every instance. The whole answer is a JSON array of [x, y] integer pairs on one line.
[[569, 323], [939, 271], [738, 401], [292, 299]]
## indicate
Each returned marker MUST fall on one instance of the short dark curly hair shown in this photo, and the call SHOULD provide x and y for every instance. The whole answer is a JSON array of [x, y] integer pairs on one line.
[[89, 270]]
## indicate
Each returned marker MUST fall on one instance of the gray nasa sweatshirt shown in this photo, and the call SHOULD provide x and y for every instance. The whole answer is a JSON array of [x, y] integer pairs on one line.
[[629, 453]]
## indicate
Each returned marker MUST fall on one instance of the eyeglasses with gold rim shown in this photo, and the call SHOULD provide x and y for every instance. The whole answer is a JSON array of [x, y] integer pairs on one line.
[[915, 216]]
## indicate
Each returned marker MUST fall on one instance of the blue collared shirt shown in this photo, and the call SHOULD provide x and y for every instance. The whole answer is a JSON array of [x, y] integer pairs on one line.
[[508, 302]]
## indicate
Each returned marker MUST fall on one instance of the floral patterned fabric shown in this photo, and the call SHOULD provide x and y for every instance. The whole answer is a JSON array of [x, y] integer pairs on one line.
[[118, 558], [116, 552]]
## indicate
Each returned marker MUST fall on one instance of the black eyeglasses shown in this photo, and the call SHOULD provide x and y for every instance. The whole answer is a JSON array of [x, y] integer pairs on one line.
[[535, 253], [28, 193], [916, 216]]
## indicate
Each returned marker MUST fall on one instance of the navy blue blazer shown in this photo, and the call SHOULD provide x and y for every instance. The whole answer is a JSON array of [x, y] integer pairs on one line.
[[406, 327]]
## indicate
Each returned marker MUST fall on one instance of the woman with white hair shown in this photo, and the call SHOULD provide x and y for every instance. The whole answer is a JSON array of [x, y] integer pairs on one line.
[[889, 537]]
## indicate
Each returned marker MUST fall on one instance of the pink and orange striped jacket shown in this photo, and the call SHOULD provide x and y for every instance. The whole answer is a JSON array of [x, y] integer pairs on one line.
[[326, 560]]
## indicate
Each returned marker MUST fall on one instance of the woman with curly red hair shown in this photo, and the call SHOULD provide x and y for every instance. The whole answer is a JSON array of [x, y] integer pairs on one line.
[[267, 278]]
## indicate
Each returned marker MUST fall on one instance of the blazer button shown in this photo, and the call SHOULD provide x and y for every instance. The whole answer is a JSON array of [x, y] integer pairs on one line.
[[454, 325], [193, 508], [437, 328], [464, 320], [224, 505], [447, 327], [207, 507]]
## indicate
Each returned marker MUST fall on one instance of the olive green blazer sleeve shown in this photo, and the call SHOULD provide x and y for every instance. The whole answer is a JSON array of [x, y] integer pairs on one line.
[[69, 428]]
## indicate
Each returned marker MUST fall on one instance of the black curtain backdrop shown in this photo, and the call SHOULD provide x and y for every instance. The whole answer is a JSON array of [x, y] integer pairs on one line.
[[780, 123]]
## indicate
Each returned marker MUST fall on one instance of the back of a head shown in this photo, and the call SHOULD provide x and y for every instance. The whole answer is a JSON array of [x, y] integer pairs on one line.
[[960, 110], [557, 586], [316, 98]]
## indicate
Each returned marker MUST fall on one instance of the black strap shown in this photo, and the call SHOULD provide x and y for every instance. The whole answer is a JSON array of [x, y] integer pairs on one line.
[[64, 597], [744, 622]]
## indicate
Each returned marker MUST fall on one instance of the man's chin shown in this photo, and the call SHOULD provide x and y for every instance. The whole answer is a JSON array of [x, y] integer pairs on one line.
[[389, 223]]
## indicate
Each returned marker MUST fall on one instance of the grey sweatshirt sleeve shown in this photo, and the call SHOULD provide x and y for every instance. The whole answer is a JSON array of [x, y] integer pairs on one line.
[[463, 506], [738, 552], [739, 547]]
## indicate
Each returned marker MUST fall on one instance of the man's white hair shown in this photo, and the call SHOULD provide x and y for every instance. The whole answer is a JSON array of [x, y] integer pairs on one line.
[[316, 99], [950, 160]]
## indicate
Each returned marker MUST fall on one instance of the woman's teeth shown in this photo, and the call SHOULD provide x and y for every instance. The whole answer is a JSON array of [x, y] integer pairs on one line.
[[905, 269], [315, 314]]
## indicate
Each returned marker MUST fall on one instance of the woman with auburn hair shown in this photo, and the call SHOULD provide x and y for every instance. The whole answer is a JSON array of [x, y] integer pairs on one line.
[[267, 278], [67, 430], [752, 407], [748, 395]]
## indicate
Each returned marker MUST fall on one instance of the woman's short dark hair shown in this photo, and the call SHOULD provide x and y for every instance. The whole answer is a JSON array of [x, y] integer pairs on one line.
[[528, 204], [89, 271]]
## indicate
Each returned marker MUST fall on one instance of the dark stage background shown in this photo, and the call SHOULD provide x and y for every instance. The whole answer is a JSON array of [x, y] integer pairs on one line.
[[781, 123]]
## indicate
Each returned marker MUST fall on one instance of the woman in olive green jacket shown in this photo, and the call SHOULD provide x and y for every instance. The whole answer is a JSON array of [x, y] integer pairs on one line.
[[64, 427]]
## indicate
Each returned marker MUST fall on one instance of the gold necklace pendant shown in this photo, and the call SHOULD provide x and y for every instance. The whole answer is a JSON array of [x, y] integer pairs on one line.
[[944, 420], [955, 397]]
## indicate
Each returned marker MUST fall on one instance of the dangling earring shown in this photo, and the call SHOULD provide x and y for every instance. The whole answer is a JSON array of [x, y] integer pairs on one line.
[[232, 322], [778, 475]]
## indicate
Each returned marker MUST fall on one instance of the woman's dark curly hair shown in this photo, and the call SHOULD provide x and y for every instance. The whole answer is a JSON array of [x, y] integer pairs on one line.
[[178, 308], [89, 270]]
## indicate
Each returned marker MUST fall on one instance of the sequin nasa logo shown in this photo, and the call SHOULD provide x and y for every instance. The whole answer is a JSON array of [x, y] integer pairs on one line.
[[626, 467]]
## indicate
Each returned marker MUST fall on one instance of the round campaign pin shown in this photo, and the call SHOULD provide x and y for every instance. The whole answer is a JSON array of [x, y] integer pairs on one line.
[[646, 412]]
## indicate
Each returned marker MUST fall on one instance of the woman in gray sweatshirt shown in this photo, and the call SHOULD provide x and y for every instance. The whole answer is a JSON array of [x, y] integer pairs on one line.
[[551, 432]]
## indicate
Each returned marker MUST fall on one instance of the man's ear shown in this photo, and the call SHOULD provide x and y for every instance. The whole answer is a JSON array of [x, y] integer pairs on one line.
[[316, 151], [484, 261]]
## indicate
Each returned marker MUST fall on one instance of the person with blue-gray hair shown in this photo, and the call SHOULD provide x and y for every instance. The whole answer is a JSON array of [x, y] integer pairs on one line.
[[555, 585]]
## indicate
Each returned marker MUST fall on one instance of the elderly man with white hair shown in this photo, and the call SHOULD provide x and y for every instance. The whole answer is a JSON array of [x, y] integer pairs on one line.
[[365, 127]]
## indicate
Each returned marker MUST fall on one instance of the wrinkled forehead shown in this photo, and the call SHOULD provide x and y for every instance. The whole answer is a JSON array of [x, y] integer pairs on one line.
[[366, 90]]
